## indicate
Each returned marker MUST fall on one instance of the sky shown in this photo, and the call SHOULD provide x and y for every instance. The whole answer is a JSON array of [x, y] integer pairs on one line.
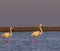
[[29, 12]]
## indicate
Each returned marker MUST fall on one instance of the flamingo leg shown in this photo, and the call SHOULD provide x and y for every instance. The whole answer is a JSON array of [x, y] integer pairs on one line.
[[5, 40], [35, 39]]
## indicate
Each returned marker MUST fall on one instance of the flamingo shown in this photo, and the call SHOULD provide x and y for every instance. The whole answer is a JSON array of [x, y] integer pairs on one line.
[[7, 35], [37, 33]]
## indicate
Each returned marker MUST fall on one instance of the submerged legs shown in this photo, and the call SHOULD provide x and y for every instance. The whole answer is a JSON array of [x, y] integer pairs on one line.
[[5, 40], [35, 40]]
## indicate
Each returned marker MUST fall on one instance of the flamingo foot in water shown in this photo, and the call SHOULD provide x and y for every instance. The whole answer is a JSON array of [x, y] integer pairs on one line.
[[35, 40], [5, 40]]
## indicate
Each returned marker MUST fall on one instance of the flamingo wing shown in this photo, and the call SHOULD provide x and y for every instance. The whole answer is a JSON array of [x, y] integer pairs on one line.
[[5, 35], [36, 33]]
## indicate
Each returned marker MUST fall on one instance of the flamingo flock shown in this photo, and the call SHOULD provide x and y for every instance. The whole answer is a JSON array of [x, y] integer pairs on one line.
[[35, 34]]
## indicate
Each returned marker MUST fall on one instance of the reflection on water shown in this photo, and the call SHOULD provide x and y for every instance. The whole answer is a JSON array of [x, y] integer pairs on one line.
[[49, 41]]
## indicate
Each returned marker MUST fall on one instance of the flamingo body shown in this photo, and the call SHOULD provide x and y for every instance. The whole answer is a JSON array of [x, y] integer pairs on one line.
[[6, 35], [36, 33]]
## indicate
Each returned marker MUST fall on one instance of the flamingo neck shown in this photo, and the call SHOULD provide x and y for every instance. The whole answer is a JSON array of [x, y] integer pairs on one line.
[[41, 31], [10, 33]]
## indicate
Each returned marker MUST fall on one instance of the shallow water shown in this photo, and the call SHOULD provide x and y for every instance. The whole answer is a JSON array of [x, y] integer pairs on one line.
[[22, 41]]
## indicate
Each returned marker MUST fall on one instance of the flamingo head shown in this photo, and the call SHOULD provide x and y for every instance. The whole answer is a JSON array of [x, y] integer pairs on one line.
[[11, 28], [41, 25]]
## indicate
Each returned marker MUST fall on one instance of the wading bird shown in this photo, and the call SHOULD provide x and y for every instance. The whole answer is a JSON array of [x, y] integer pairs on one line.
[[37, 33], [7, 35]]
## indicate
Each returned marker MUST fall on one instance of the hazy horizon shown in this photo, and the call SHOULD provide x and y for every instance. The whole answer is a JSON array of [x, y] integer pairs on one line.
[[29, 12]]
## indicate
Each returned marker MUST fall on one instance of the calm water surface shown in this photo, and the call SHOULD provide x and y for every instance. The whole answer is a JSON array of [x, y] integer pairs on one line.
[[22, 41]]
